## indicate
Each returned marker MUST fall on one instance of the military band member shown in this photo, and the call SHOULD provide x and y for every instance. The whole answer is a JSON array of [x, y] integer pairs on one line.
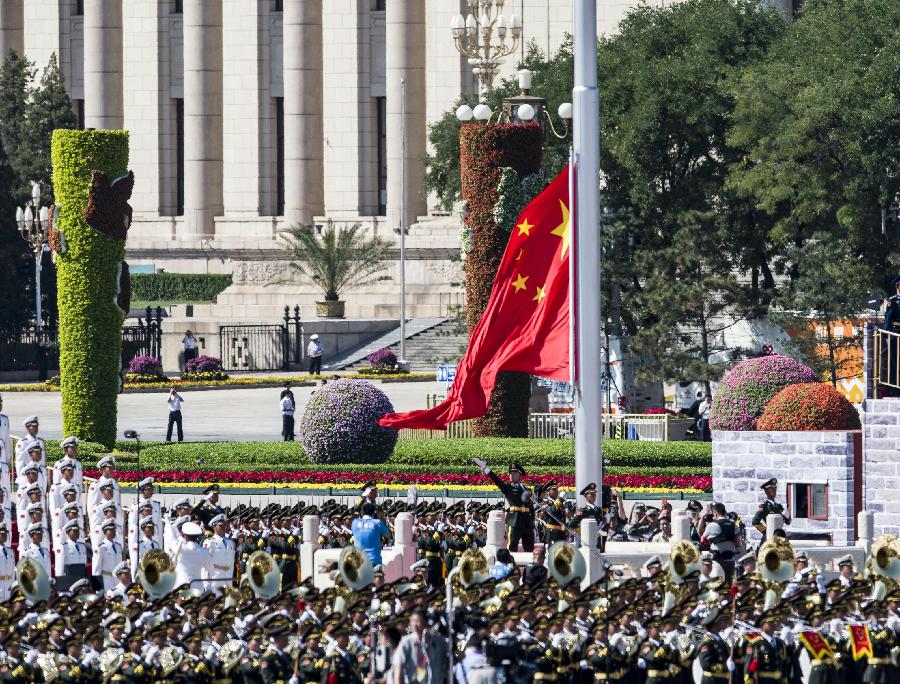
[[70, 451], [767, 656], [71, 557], [123, 581], [145, 506], [7, 564], [36, 549], [277, 666], [105, 494], [520, 511], [107, 466], [28, 440], [553, 515], [6, 454], [107, 555], [769, 506], [222, 554]]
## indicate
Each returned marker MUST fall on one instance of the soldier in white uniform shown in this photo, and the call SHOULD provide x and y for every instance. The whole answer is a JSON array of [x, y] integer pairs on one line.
[[110, 512], [123, 580], [31, 437], [145, 544], [71, 558], [194, 562], [106, 492], [36, 517], [107, 466], [70, 451], [5, 449], [25, 498], [107, 555], [33, 464], [65, 483], [71, 512], [7, 564], [171, 534], [221, 551], [5, 506], [139, 510], [36, 548]]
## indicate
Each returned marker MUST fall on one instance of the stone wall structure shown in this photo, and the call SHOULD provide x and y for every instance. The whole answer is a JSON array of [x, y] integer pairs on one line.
[[742, 461], [881, 470]]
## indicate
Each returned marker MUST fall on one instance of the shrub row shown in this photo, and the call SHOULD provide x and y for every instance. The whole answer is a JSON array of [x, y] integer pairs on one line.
[[192, 287], [437, 455]]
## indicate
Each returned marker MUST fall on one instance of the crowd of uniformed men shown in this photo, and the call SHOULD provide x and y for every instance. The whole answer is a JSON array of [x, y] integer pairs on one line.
[[706, 602]]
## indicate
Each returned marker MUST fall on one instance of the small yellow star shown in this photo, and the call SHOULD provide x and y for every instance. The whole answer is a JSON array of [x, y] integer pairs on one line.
[[562, 230], [519, 283], [540, 294], [525, 227]]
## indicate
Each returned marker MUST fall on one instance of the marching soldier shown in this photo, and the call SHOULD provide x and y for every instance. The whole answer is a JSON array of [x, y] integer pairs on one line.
[[769, 506], [553, 514], [71, 557], [276, 666], [520, 512], [7, 564], [221, 551], [31, 438], [767, 655]]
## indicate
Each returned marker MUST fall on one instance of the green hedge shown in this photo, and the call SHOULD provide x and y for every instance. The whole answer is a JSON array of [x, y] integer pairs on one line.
[[189, 287], [88, 278], [443, 455]]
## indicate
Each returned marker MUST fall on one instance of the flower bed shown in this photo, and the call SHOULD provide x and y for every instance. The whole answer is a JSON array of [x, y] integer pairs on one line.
[[355, 479]]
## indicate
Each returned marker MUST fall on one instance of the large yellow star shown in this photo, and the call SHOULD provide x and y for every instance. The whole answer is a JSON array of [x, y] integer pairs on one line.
[[519, 283], [525, 227], [540, 295], [562, 230]]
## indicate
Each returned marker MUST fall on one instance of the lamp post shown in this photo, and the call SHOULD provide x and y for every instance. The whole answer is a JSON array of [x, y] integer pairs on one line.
[[486, 36], [34, 228], [132, 434]]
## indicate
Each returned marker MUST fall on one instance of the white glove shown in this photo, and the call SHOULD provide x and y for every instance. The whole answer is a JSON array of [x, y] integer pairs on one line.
[[481, 464], [642, 664], [32, 656], [730, 665], [152, 652], [294, 680]]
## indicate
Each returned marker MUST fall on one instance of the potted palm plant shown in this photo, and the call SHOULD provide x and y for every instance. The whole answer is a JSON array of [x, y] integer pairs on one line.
[[334, 260]]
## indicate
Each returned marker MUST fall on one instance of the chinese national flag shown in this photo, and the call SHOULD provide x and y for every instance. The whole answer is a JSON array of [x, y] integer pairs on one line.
[[525, 326]]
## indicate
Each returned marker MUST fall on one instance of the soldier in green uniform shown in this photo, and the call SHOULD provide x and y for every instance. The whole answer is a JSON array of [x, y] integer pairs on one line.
[[290, 556], [248, 670], [520, 511], [769, 506], [603, 660], [13, 669], [194, 668], [767, 655], [714, 655], [553, 515], [543, 656], [342, 661], [655, 656], [458, 538], [312, 660], [589, 511], [276, 666], [133, 668], [880, 668]]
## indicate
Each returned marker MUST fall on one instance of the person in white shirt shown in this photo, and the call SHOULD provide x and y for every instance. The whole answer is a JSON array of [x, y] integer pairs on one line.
[[189, 342], [7, 564], [194, 562], [5, 448], [110, 513], [36, 549], [35, 516], [171, 535], [70, 451], [71, 512], [107, 496], [33, 464], [221, 551], [71, 558], [107, 466], [5, 506], [31, 437], [107, 555], [175, 400], [123, 578], [314, 352], [145, 544], [703, 412], [145, 506], [59, 491], [287, 416], [176, 539]]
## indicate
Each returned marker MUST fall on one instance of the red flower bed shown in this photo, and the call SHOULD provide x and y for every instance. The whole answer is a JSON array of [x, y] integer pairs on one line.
[[809, 406]]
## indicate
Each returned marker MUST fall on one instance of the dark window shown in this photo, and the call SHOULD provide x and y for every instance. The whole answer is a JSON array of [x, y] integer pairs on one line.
[[79, 7], [378, 5], [279, 156], [381, 144], [808, 501], [79, 112], [177, 6], [278, 5], [179, 156]]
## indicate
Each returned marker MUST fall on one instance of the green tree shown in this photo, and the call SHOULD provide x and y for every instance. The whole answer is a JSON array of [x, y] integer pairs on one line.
[[828, 288], [677, 242], [341, 258]]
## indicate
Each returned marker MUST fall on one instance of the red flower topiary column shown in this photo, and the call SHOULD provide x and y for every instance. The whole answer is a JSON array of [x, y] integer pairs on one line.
[[484, 150]]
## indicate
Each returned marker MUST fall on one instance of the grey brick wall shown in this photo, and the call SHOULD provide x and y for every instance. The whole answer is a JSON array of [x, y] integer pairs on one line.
[[742, 461], [881, 468]]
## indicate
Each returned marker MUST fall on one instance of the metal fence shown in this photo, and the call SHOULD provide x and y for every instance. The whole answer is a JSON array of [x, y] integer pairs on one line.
[[254, 347], [143, 339], [886, 364], [30, 350]]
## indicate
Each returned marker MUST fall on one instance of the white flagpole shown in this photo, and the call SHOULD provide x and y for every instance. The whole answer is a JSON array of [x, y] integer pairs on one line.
[[586, 152]]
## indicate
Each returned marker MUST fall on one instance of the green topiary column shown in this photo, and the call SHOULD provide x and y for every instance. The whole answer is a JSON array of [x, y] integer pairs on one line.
[[91, 216]]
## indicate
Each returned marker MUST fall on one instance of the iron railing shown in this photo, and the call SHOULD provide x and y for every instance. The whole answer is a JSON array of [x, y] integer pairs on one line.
[[886, 362]]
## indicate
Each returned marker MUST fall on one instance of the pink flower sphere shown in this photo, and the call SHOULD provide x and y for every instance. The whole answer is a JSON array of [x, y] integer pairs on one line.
[[750, 385]]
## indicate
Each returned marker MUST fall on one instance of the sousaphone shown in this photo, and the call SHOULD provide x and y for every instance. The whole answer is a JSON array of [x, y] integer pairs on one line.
[[263, 574], [566, 564], [883, 565], [33, 580], [157, 574], [775, 561], [355, 568]]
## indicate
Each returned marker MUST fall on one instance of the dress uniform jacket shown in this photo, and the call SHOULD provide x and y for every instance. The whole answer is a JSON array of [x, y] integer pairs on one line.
[[520, 514], [17, 671], [276, 667], [194, 670], [94, 496], [41, 555], [77, 473], [106, 557], [554, 516], [22, 447], [97, 535], [770, 659], [658, 658], [221, 551], [194, 563], [56, 500], [7, 572], [713, 656], [134, 523], [71, 563], [880, 669], [95, 511]]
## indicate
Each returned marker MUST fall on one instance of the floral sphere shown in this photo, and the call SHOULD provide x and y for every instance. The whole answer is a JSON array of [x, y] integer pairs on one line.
[[809, 406], [747, 388], [340, 424]]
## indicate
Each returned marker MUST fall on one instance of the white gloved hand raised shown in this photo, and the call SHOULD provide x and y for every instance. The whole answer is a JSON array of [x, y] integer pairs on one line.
[[481, 464]]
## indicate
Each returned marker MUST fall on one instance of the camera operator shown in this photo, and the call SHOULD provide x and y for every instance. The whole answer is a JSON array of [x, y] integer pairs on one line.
[[719, 535]]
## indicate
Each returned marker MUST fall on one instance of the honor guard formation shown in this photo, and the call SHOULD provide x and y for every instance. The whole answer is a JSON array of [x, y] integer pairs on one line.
[[92, 589]]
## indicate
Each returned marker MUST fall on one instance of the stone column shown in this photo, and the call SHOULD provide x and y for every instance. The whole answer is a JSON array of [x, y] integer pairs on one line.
[[309, 546], [681, 526], [496, 534], [304, 175], [103, 104], [406, 545], [774, 522], [202, 116], [405, 59], [593, 559], [12, 27], [866, 526]]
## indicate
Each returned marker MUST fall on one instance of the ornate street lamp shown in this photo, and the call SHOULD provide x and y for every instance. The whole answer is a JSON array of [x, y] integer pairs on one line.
[[521, 108], [34, 228], [486, 37]]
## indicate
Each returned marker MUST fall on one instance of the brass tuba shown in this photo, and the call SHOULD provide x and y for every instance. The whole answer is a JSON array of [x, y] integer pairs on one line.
[[169, 660], [33, 580], [566, 563], [230, 654], [355, 568], [49, 666], [156, 574], [472, 569], [883, 565], [684, 560], [775, 560], [263, 574]]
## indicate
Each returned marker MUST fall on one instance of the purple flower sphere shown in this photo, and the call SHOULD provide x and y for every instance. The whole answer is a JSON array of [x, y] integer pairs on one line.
[[747, 388], [340, 424], [145, 365]]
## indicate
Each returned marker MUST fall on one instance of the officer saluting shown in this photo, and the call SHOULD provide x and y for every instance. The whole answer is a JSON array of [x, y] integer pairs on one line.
[[769, 506], [520, 514]]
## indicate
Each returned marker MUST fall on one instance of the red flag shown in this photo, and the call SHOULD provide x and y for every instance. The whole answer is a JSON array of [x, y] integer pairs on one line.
[[525, 326]]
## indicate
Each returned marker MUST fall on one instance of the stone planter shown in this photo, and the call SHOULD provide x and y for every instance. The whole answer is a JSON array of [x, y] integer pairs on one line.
[[329, 309]]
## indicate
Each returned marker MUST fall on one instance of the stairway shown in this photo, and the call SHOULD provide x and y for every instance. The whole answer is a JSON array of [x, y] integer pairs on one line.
[[443, 343]]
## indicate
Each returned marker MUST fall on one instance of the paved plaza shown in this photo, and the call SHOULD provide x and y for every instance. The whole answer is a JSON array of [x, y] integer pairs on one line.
[[209, 415]]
